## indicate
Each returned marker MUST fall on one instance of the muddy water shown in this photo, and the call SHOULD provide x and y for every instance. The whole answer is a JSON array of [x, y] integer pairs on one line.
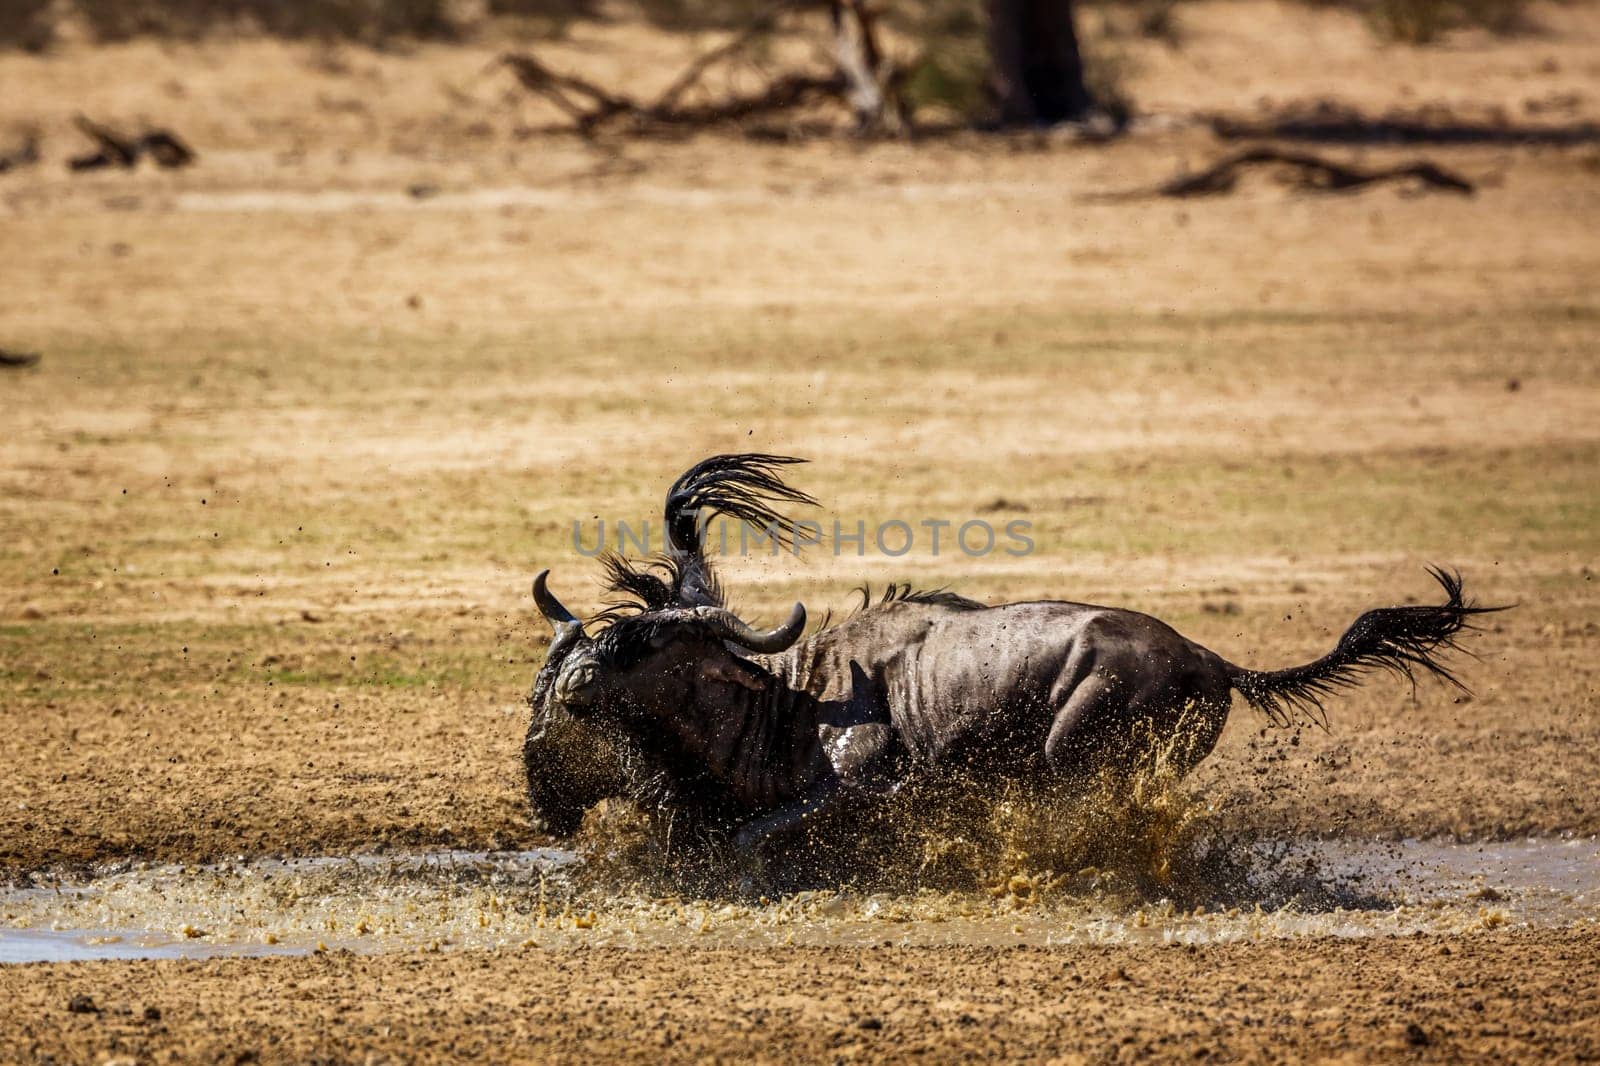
[[449, 900]]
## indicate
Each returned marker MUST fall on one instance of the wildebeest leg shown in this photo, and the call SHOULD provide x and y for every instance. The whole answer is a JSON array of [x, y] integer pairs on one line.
[[866, 767], [1099, 727], [764, 840], [1090, 731], [789, 819]]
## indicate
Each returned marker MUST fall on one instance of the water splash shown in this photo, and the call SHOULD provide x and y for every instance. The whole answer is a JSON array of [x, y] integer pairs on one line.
[[476, 900], [1128, 859]]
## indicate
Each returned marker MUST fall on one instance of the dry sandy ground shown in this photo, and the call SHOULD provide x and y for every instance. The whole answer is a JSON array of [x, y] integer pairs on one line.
[[300, 437], [1416, 1000]]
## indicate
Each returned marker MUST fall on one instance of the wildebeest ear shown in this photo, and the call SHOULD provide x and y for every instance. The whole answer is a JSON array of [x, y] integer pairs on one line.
[[731, 671]]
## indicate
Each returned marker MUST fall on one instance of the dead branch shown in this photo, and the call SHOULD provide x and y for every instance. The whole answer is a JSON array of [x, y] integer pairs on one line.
[[166, 149], [598, 106], [590, 106], [593, 105], [759, 27], [112, 149], [1312, 172], [787, 91]]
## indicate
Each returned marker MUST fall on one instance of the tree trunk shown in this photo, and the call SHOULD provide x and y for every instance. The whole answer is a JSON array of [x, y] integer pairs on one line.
[[1036, 73], [872, 96]]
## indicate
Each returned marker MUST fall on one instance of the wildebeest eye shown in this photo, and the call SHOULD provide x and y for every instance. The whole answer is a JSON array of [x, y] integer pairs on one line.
[[575, 684]]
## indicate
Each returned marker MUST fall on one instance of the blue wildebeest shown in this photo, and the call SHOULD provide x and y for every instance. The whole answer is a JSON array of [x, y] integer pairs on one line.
[[677, 701]]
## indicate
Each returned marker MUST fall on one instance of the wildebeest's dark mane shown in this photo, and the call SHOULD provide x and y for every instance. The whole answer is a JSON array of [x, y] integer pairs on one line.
[[639, 587], [904, 593], [627, 635], [638, 592]]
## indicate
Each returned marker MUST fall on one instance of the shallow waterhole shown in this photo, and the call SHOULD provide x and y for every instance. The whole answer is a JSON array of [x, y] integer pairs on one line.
[[453, 900]]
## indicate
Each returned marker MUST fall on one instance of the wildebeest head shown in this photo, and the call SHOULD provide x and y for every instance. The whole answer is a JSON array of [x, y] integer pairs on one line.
[[642, 665]]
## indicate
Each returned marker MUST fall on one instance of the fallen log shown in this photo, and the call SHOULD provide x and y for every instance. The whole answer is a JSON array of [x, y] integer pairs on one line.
[[166, 149], [1313, 172], [19, 360], [112, 149], [1333, 124]]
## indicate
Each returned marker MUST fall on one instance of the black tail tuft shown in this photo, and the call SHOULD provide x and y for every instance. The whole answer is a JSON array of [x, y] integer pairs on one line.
[[1403, 640], [743, 487]]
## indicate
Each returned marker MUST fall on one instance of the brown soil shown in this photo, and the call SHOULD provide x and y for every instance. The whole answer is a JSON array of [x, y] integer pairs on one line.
[[311, 413], [1420, 999]]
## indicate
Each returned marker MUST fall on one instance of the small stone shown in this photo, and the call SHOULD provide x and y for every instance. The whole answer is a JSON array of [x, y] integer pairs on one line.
[[871, 1023], [1416, 1035], [152, 1014], [81, 1004]]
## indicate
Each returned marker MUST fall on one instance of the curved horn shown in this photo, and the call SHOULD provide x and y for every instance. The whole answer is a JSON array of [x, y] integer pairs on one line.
[[732, 628], [549, 606]]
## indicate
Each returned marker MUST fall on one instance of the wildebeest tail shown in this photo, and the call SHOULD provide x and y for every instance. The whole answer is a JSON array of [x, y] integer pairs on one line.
[[746, 487], [1402, 640]]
